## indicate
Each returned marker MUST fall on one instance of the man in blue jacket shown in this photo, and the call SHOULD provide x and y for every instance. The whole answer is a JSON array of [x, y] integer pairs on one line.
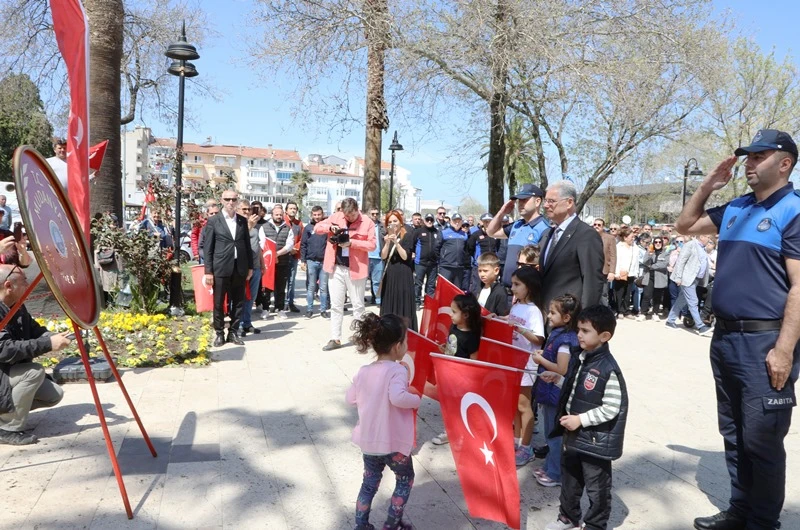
[[426, 269], [312, 254], [452, 251]]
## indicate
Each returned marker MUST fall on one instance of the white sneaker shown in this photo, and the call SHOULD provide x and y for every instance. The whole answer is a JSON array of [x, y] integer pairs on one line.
[[656, 318], [265, 315], [641, 318], [283, 314], [441, 439]]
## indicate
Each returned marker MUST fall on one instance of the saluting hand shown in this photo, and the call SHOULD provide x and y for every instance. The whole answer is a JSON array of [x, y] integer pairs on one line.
[[720, 175]]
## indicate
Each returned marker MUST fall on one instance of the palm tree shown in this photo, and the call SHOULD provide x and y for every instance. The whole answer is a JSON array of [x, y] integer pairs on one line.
[[105, 60], [300, 181]]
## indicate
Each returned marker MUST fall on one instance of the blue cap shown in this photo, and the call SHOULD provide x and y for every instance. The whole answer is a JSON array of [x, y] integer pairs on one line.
[[767, 139], [527, 191]]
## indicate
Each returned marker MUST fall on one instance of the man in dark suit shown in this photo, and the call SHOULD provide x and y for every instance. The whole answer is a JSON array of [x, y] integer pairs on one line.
[[228, 265], [572, 251]]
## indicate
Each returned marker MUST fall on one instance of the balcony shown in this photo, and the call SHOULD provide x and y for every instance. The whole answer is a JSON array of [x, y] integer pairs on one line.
[[225, 161]]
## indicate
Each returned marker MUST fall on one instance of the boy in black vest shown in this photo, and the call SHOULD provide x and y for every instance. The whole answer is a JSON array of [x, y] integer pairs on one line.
[[593, 409]]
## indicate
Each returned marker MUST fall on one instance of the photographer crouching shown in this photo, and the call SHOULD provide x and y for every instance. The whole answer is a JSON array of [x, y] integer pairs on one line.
[[351, 236]]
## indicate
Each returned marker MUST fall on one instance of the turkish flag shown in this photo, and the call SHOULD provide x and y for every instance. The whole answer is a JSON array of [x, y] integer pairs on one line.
[[478, 404], [492, 351], [441, 320], [497, 329], [96, 155], [270, 259], [72, 35], [418, 359], [428, 310]]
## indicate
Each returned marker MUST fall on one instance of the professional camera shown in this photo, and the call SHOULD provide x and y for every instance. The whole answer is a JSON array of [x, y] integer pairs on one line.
[[339, 235]]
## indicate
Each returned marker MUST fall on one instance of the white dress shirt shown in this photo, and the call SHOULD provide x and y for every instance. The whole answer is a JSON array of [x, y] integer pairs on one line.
[[231, 222]]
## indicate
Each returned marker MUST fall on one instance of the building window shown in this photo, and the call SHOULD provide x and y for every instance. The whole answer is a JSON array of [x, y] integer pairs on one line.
[[280, 165], [198, 159], [284, 175]]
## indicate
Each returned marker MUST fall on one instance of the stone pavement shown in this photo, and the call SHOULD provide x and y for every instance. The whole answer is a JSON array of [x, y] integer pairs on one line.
[[260, 439]]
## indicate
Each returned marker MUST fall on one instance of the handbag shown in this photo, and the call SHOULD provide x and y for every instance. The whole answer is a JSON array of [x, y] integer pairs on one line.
[[386, 268]]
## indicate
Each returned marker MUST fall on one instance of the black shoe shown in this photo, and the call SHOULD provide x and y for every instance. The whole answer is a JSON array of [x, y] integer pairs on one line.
[[219, 340], [541, 452], [332, 345], [17, 438], [720, 521], [309, 314], [250, 329], [293, 309], [234, 338], [324, 314]]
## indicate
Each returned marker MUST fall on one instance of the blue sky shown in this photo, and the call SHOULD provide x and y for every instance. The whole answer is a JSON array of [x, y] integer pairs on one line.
[[254, 113]]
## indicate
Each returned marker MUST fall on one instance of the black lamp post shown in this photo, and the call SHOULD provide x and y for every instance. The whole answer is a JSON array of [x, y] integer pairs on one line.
[[181, 53], [696, 172], [394, 147]]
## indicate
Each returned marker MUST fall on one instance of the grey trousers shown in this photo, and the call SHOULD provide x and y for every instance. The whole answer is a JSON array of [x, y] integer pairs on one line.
[[29, 390]]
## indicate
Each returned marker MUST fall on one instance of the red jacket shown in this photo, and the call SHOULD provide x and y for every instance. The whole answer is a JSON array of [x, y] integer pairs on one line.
[[362, 241], [297, 228]]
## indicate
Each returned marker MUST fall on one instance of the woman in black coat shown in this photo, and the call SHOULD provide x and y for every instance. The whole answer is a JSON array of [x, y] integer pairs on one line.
[[397, 286]]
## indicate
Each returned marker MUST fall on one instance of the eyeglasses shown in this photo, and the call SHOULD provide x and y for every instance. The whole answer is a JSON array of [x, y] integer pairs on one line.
[[613, 229], [229, 199], [440, 214], [600, 225], [245, 209], [14, 269], [551, 202], [373, 214]]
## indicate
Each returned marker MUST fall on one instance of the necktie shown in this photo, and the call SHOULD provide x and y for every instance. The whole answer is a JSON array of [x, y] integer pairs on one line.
[[553, 244]]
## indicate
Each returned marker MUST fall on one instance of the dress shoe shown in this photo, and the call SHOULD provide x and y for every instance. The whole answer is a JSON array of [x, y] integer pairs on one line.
[[234, 338], [219, 340], [293, 308], [324, 314], [720, 521]]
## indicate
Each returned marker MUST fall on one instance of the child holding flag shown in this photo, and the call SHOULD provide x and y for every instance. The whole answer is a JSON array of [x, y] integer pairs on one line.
[[385, 429]]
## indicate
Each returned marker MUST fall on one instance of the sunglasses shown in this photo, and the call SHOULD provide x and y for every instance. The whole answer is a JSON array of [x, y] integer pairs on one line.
[[212, 214], [373, 213], [229, 199], [598, 225], [440, 214]]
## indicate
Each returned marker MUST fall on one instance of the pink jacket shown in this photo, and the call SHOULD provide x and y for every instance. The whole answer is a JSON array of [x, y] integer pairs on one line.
[[362, 241], [385, 419]]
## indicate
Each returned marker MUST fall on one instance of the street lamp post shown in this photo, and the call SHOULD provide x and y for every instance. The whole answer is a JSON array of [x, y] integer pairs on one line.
[[181, 53], [394, 147], [696, 172]]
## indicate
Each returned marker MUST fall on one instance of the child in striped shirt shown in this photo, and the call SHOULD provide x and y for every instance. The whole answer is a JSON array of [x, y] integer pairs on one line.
[[592, 412]]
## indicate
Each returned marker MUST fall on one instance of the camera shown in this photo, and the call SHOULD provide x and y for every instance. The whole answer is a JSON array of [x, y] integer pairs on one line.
[[339, 235]]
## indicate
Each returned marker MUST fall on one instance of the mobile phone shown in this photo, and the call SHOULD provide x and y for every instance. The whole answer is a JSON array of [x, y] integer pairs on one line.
[[71, 336], [17, 231]]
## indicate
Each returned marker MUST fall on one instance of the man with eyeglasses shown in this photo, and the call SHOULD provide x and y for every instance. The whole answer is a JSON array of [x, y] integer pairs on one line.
[[375, 262], [572, 251], [441, 221], [609, 256], [426, 261], [229, 264], [24, 385], [755, 358], [527, 230]]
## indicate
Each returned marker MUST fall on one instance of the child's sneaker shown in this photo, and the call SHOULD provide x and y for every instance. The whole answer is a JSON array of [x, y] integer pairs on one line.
[[561, 524], [538, 472], [523, 455], [544, 480], [441, 439]]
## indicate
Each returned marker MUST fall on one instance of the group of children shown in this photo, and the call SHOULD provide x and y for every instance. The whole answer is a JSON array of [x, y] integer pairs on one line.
[[580, 392]]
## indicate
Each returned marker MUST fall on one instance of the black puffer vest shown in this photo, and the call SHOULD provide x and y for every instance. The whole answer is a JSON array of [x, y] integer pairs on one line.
[[605, 440], [279, 235]]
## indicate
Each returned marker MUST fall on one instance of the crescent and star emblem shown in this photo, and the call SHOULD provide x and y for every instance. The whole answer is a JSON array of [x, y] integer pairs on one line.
[[79, 133], [469, 399]]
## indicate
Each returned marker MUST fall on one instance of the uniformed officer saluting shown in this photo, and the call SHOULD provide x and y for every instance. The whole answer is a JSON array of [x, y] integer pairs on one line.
[[754, 354]]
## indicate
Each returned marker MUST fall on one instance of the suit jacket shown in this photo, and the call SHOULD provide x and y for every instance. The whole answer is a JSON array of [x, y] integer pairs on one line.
[[609, 252], [575, 265], [218, 247]]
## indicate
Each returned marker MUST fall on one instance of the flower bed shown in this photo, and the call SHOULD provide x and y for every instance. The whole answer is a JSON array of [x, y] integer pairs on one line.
[[141, 340]]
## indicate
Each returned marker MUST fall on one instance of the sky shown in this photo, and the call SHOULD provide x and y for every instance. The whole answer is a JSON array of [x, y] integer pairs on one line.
[[255, 113]]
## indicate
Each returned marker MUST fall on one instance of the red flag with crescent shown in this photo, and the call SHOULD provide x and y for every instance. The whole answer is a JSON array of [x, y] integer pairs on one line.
[[441, 320], [418, 359], [495, 352], [96, 154], [478, 404], [428, 310], [497, 329], [270, 252], [72, 35]]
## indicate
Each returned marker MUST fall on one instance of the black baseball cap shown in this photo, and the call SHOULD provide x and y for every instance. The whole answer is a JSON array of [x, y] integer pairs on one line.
[[767, 139], [455, 216], [487, 217], [429, 217], [527, 191]]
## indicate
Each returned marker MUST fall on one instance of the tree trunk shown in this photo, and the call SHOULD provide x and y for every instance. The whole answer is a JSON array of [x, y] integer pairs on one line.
[[105, 56], [376, 21], [497, 110]]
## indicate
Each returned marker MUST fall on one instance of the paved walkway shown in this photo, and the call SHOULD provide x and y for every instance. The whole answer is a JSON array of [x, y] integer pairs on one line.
[[260, 439]]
